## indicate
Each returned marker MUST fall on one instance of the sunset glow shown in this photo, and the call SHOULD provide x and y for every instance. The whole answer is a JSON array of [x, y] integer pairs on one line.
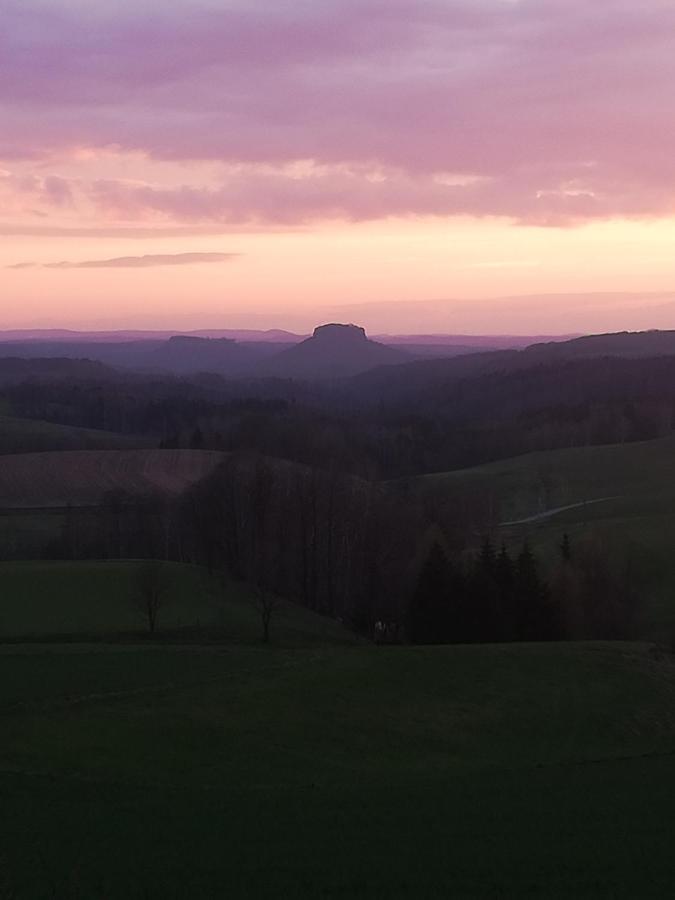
[[246, 163]]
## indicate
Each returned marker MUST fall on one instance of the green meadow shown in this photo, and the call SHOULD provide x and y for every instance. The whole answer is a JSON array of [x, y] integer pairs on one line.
[[345, 771], [201, 764]]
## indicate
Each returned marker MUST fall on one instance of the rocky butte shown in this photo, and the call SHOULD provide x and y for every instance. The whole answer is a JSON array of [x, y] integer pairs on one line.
[[334, 351]]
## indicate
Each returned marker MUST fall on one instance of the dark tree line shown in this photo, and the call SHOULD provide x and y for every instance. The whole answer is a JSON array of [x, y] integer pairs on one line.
[[499, 597], [355, 550], [339, 545], [493, 597], [381, 425]]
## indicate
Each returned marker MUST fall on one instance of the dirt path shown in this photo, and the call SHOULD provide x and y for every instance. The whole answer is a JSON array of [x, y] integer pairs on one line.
[[554, 512]]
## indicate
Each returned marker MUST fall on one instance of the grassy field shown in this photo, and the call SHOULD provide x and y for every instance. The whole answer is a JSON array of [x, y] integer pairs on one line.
[[83, 477], [634, 516], [31, 436], [638, 477], [41, 600], [319, 772]]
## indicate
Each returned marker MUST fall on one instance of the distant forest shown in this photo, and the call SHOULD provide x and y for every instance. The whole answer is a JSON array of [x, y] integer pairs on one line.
[[315, 498], [420, 420]]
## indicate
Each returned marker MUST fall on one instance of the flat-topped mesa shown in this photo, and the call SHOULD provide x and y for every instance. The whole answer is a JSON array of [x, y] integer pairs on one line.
[[334, 351], [335, 332]]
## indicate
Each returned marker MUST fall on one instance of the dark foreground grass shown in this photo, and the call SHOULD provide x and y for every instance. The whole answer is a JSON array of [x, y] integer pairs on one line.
[[520, 771], [565, 833]]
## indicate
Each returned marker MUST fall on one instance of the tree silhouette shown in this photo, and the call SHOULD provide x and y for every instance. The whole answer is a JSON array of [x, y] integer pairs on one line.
[[505, 576], [566, 548], [429, 610], [151, 593]]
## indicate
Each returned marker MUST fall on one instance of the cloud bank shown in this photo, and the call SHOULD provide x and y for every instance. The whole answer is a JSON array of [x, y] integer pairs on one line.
[[134, 262], [551, 112]]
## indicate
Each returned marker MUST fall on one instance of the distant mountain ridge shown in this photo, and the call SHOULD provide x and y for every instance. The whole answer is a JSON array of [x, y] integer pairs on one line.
[[417, 380], [21, 335], [334, 351], [273, 335]]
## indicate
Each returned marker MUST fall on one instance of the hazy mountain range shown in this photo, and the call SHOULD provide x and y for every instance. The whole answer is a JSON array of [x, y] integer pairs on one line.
[[334, 350]]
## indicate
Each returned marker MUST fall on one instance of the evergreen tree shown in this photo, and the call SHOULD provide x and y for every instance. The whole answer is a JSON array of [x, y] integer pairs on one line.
[[536, 618], [527, 590], [429, 610], [505, 575], [566, 548], [487, 558], [460, 612], [484, 619]]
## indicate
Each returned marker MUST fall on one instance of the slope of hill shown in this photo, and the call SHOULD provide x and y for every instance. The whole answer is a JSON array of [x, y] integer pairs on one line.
[[31, 436], [14, 368], [621, 497], [410, 381], [641, 474], [83, 477], [333, 351], [632, 344], [50, 600]]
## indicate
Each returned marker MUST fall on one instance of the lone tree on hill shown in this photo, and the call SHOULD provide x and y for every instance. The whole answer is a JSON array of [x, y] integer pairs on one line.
[[267, 604], [151, 593]]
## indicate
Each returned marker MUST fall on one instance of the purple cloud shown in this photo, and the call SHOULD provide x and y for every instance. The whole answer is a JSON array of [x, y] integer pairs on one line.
[[557, 110]]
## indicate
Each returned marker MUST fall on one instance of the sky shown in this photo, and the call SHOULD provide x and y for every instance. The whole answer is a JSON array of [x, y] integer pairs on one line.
[[475, 166]]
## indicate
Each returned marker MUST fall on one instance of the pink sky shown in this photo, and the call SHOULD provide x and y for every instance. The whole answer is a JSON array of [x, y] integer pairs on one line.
[[213, 163]]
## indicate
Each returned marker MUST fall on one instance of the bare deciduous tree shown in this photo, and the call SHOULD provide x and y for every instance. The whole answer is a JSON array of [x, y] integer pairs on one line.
[[267, 604], [265, 543], [151, 593]]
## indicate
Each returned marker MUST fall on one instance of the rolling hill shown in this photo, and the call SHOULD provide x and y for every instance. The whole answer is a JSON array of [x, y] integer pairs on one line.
[[83, 477], [638, 475], [31, 436], [622, 495], [16, 367], [428, 381]]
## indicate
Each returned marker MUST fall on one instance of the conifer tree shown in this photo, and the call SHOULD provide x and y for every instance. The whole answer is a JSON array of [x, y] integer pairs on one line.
[[487, 558], [484, 612], [505, 574], [459, 626], [566, 548], [429, 611], [527, 595], [535, 616]]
